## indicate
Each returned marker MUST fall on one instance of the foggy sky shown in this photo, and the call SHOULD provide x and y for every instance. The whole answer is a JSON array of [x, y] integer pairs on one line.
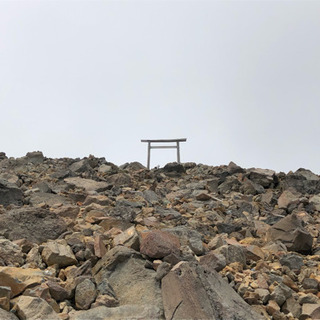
[[239, 79]]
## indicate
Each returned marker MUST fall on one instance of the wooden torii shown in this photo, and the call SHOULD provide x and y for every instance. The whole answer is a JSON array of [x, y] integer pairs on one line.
[[177, 146]]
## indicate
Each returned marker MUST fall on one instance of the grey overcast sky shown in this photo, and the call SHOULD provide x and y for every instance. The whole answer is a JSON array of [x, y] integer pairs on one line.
[[239, 79]]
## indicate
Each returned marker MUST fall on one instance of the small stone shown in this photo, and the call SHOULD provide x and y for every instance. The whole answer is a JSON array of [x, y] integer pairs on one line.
[[263, 294], [308, 298], [280, 294], [57, 292], [213, 261], [216, 242], [128, 238], [105, 300], [292, 260], [272, 307], [251, 297], [163, 270], [310, 310], [309, 283], [292, 306], [58, 252], [99, 247], [5, 293], [85, 294]]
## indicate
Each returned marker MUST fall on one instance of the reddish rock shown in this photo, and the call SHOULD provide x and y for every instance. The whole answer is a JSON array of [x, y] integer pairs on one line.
[[158, 244], [99, 248]]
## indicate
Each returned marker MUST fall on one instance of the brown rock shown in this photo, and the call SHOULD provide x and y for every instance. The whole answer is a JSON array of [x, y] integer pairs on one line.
[[42, 291], [99, 247], [19, 279], [288, 198], [85, 294], [57, 292], [293, 306], [87, 184], [6, 315], [213, 261], [290, 232], [10, 254], [272, 307], [5, 293], [105, 300], [158, 244], [32, 308], [251, 297], [58, 252], [311, 311], [128, 238]]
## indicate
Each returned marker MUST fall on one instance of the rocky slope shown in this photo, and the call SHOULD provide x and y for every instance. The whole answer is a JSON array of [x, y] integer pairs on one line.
[[85, 239]]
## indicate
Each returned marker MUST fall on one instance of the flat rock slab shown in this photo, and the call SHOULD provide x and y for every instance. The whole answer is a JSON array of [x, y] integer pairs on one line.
[[190, 292], [48, 198], [34, 224], [131, 281], [87, 184], [142, 312]]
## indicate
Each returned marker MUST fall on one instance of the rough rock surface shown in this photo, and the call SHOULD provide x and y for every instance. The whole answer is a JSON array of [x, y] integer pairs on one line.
[[34, 224], [86, 239], [190, 292]]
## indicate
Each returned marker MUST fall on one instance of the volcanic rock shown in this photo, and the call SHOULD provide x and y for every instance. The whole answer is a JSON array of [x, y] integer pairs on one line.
[[34, 308], [190, 292], [290, 232], [59, 253], [10, 194], [19, 279], [185, 241], [25, 222], [158, 244]]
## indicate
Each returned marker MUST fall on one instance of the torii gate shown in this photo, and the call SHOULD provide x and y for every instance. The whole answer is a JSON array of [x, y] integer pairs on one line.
[[177, 146]]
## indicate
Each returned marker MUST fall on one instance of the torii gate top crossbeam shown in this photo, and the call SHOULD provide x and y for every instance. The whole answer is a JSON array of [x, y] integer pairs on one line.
[[177, 146]]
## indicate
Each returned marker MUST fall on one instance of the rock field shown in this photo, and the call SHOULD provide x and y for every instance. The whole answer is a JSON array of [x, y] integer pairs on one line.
[[85, 239]]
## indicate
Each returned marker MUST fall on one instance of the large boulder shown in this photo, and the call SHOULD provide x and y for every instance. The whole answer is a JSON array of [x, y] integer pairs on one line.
[[133, 284], [191, 292], [34, 224], [10, 194], [291, 233]]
